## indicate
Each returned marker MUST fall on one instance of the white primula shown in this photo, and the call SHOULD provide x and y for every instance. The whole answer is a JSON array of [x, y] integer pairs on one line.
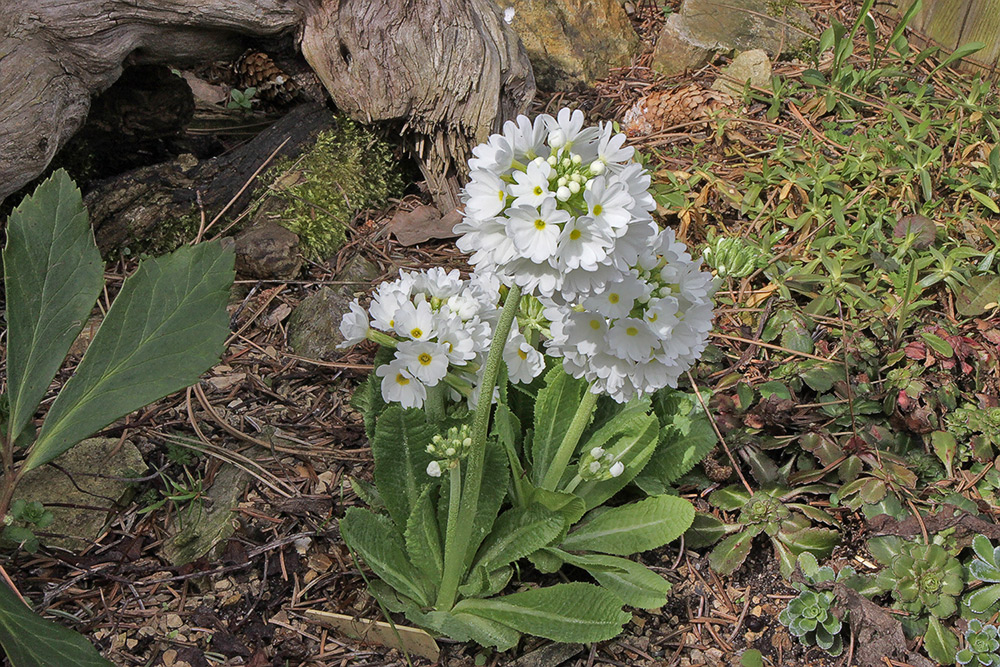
[[524, 362], [639, 333], [354, 325], [439, 326], [426, 361], [577, 179], [399, 385]]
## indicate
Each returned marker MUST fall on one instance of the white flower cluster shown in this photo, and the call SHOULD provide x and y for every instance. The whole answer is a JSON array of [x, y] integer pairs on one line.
[[554, 207], [562, 211], [640, 332], [441, 327], [599, 464]]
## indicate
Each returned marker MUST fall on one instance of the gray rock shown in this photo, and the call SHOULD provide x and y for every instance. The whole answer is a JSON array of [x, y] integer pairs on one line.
[[314, 325], [753, 67], [90, 479], [267, 250], [572, 43], [704, 26]]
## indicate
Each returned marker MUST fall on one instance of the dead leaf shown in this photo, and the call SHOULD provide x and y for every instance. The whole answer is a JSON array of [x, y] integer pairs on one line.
[[277, 315], [422, 224], [205, 91], [223, 382], [398, 636]]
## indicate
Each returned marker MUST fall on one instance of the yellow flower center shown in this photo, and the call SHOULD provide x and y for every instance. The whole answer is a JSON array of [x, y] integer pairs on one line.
[[595, 325], [539, 224], [522, 354], [416, 332], [425, 358], [614, 298], [501, 194], [598, 209], [575, 234], [631, 331], [402, 379], [538, 190]]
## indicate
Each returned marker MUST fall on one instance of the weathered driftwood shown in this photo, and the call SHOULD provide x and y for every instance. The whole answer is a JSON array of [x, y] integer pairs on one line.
[[450, 70]]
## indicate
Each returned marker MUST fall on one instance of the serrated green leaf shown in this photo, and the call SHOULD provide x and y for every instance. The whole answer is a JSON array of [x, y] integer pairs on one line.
[[573, 612], [554, 409], [32, 641], [941, 644], [52, 276], [634, 583], [729, 554], [729, 498], [632, 528], [401, 458], [705, 530], [681, 447], [166, 327], [423, 540], [468, 627], [517, 533], [380, 545]]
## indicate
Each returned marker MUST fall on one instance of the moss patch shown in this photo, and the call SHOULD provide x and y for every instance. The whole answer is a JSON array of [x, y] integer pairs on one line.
[[348, 170]]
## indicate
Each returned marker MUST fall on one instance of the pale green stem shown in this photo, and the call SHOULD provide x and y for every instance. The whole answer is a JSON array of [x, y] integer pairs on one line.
[[573, 483], [454, 557], [904, 306], [572, 438], [382, 338], [454, 507]]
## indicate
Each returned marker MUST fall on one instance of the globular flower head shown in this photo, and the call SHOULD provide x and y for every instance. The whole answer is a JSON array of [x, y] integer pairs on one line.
[[982, 646], [528, 194], [810, 617]]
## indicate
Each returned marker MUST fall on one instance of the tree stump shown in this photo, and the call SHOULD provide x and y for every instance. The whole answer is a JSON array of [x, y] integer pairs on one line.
[[449, 71]]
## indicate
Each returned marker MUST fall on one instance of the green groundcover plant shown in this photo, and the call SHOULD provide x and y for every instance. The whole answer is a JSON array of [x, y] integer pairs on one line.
[[507, 409], [167, 325]]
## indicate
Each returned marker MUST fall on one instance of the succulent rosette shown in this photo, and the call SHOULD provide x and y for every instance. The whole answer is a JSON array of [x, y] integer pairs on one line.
[[982, 646], [440, 328], [925, 577], [810, 617]]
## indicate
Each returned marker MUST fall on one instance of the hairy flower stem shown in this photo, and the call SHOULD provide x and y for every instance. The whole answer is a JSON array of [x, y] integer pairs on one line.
[[462, 538], [454, 509], [570, 441]]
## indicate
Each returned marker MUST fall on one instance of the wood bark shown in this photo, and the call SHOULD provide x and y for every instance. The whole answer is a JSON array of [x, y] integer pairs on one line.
[[449, 71]]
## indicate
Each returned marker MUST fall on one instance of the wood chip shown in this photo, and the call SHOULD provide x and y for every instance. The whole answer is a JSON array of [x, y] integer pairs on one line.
[[405, 638]]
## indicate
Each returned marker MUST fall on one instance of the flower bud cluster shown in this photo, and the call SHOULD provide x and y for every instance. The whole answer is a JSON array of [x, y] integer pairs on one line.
[[441, 327], [449, 449], [732, 257], [598, 465]]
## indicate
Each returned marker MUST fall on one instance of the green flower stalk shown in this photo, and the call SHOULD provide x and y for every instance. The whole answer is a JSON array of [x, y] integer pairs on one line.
[[982, 646], [810, 617]]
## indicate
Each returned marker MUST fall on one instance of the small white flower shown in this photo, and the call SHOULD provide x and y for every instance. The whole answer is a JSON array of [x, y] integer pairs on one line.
[[531, 187], [485, 195], [617, 298], [458, 341], [584, 242], [631, 339], [434, 469], [526, 137], [438, 283], [616, 469], [524, 362], [496, 155], [399, 386], [354, 325], [610, 150], [535, 232], [608, 201], [415, 322], [426, 361], [597, 452]]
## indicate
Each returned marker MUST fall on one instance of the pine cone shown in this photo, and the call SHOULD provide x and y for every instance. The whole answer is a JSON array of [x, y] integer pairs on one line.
[[255, 69], [658, 111]]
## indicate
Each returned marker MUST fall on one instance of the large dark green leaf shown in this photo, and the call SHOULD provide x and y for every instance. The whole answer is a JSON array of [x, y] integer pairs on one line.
[[381, 546], [401, 458], [634, 449], [52, 275], [730, 553], [554, 409], [574, 612], [167, 326], [31, 641], [632, 528], [467, 627], [682, 445], [423, 539]]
